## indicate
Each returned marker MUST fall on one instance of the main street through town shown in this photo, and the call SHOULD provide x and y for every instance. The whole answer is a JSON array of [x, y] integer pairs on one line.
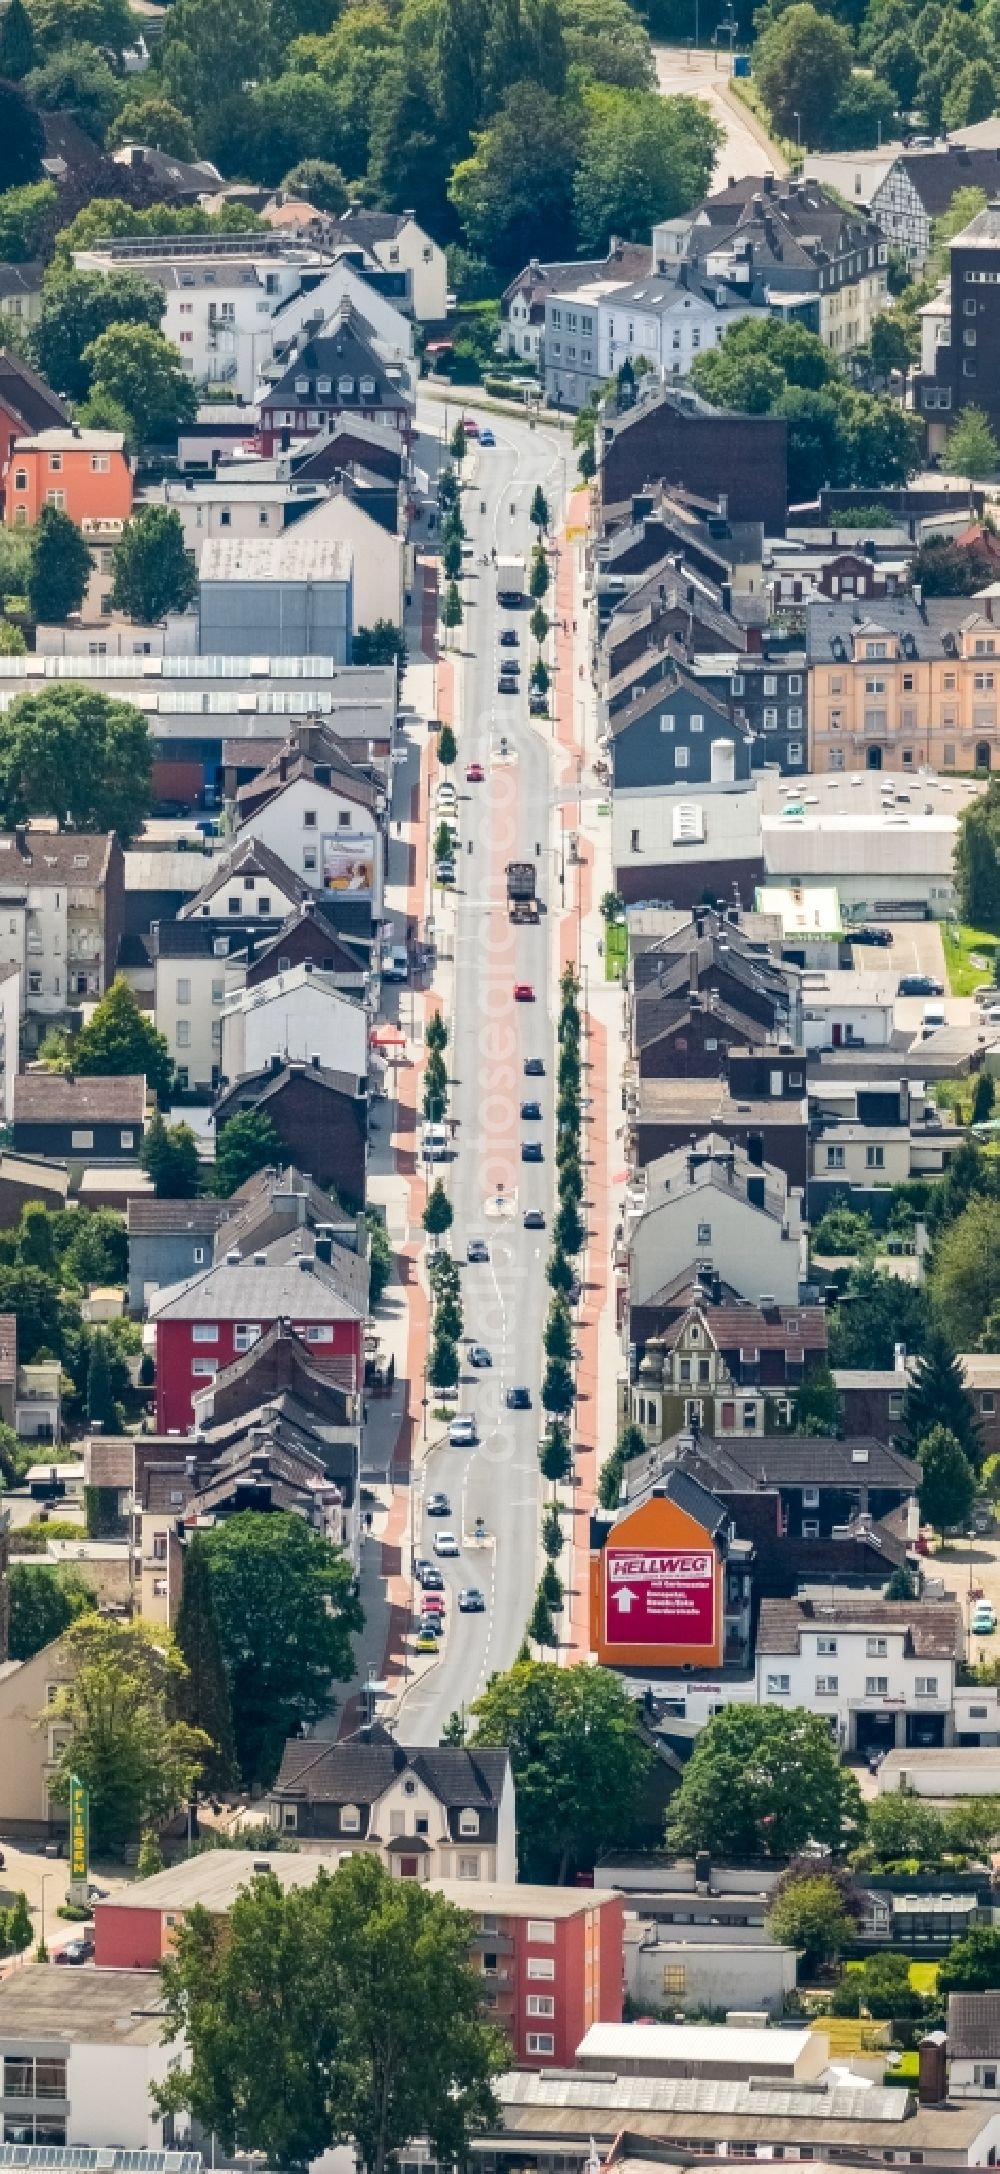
[[511, 815]]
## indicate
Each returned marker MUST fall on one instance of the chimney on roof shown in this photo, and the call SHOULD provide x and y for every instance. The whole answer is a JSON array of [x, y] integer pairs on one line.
[[932, 2079]]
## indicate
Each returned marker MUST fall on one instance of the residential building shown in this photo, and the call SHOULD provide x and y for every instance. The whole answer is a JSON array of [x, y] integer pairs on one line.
[[61, 916], [335, 376], [522, 303], [176, 180], [590, 331], [28, 1177], [920, 186], [247, 885], [882, 1672], [790, 247], [81, 2052], [662, 1114], [88, 1120], [570, 2115], [361, 512], [293, 594], [28, 1811], [399, 243], [676, 734], [84, 473], [670, 1582], [934, 1773], [169, 1241], [236, 304], [675, 1971], [960, 331], [11, 1012], [320, 1116], [870, 1399], [982, 1380], [26, 403], [824, 1486], [909, 687], [446, 1813], [729, 1370], [973, 2027], [195, 965], [655, 434], [710, 1205], [310, 932], [844, 1010], [301, 1016], [322, 812], [867, 1135], [219, 1313], [706, 989], [20, 298]]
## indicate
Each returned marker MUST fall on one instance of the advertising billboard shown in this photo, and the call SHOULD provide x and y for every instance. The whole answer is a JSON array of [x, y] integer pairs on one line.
[[349, 863], [659, 1596], [79, 1830]]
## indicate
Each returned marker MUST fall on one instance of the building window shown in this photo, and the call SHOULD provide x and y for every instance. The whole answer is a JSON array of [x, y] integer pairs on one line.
[[541, 2042], [541, 2004], [927, 1687], [205, 1369], [468, 1868], [825, 1645], [835, 1158], [245, 1335], [100, 464], [468, 1822], [827, 1686], [310, 819], [183, 1033], [80, 1138], [127, 1139], [810, 1501], [874, 1158], [204, 1332], [540, 1967], [877, 1649], [778, 1686], [350, 1819], [183, 991], [20, 479], [541, 1931], [876, 1686]]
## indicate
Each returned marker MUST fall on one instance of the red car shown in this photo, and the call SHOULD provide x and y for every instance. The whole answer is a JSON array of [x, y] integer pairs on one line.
[[470, 426], [523, 992], [432, 1604], [475, 774]]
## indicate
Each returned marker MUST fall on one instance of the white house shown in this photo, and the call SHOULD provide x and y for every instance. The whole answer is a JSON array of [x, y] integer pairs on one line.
[[232, 304], [250, 884], [300, 1014], [665, 323], [973, 2045], [882, 1672], [330, 833], [845, 1011], [81, 2050], [378, 559], [710, 1204]]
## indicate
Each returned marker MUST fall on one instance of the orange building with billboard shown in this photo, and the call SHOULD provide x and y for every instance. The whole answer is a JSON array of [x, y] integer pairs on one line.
[[658, 1581]]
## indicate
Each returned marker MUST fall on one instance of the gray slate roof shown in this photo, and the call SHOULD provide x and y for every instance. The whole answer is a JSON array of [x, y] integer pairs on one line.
[[360, 1768]]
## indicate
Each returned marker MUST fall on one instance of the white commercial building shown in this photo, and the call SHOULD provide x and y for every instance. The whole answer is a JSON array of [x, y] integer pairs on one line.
[[881, 1672], [847, 1011], [301, 1014], [80, 2051]]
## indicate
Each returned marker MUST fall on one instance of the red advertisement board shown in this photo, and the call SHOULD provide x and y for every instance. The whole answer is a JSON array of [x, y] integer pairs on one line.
[[659, 1596]]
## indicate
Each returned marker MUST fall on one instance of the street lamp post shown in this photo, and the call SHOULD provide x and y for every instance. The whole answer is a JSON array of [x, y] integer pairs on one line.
[[46, 1876], [798, 131]]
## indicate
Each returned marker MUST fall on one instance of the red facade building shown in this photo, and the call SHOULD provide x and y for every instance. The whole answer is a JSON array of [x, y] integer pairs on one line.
[[204, 1324]]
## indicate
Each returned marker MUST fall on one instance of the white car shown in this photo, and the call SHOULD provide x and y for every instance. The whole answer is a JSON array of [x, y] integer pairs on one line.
[[447, 794], [462, 1432], [445, 1543]]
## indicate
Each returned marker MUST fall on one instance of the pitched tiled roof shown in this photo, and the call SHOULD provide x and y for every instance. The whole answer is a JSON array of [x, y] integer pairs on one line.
[[974, 2026], [284, 1285], [175, 1218], [249, 857], [932, 1628], [57, 1098], [788, 1460], [26, 395], [360, 1768]]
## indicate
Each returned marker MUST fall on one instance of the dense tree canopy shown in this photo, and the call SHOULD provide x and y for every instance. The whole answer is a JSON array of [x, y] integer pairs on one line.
[[117, 1730], [120, 1039], [836, 435], [579, 1762], [763, 1780], [72, 752], [154, 572]]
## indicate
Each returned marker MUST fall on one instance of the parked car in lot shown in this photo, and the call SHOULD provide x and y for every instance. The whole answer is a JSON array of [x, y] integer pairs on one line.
[[75, 1951], [984, 1619], [920, 985], [871, 933]]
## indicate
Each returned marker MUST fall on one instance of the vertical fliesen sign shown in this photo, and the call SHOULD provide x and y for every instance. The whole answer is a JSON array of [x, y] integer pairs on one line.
[[79, 1830]]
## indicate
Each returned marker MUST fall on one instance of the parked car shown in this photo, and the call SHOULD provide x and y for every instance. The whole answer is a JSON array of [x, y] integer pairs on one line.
[[75, 1951], [432, 1604], [538, 704], [477, 1250], [534, 1068], [920, 985], [506, 684], [984, 1619], [872, 934], [426, 1642], [532, 1151], [431, 1579], [509, 638], [479, 1355]]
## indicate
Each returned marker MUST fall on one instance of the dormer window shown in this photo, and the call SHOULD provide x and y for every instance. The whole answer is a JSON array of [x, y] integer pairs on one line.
[[302, 385], [345, 387], [367, 388], [350, 1819], [324, 385], [468, 1822]]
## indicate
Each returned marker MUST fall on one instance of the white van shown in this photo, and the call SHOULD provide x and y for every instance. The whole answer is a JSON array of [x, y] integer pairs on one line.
[[462, 1432], [435, 1142], [931, 1018]]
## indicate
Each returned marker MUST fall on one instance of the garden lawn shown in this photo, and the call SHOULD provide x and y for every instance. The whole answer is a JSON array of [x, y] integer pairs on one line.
[[969, 956]]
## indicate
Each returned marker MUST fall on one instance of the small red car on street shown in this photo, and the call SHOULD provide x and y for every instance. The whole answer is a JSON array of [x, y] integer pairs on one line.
[[523, 992]]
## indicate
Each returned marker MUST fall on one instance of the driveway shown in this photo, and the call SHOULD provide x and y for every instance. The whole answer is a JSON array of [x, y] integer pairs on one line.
[[705, 75]]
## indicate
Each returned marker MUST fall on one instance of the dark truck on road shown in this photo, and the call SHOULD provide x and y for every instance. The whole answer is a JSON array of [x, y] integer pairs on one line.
[[522, 903]]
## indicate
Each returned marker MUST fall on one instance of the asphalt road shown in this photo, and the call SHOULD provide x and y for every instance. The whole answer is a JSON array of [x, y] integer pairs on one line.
[[504, 1300], [680, 69]]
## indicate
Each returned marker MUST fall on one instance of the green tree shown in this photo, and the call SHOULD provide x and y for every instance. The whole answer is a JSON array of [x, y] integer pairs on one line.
[[514, 196], [964, 1280], [763, 1779], [936, 1395], [609, 1481], [76, 307], [154, 572], [42, 1318], [539, 515], [443, 1365], [643, 158], [61, 566], [558, 1394], [44, 1601], [451, 558], [568, 1229], [115, 1727], [947, 1480], [436, 1032], [972, 1965], [321, 183], [379, 1257], [202, 1698], [247, 1143], [983, 1099], [141, 372], [541, 1628], [977, 858], [78, 80], [381, 643], [539, 624], [150, 1857], [873, 1314], [169, 1155], [17, 42], [22, 138], [971, 449], [557, 1335], [72, 752], [286, 1609], [553, 1537], [106, 23], [459, 443], [554, 1453], [971, 96], [539, 576], [452, 612], [371, 1974], [885, 1986], [157, 123], [540, 676], [119, 1039], [101, 1408], [24, 217], [889, 344], [209, 46], [578, 1759], [447, 747], [809, 1913], [802, 67], [438, 1215], [559, 1274], [817, 1406]]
